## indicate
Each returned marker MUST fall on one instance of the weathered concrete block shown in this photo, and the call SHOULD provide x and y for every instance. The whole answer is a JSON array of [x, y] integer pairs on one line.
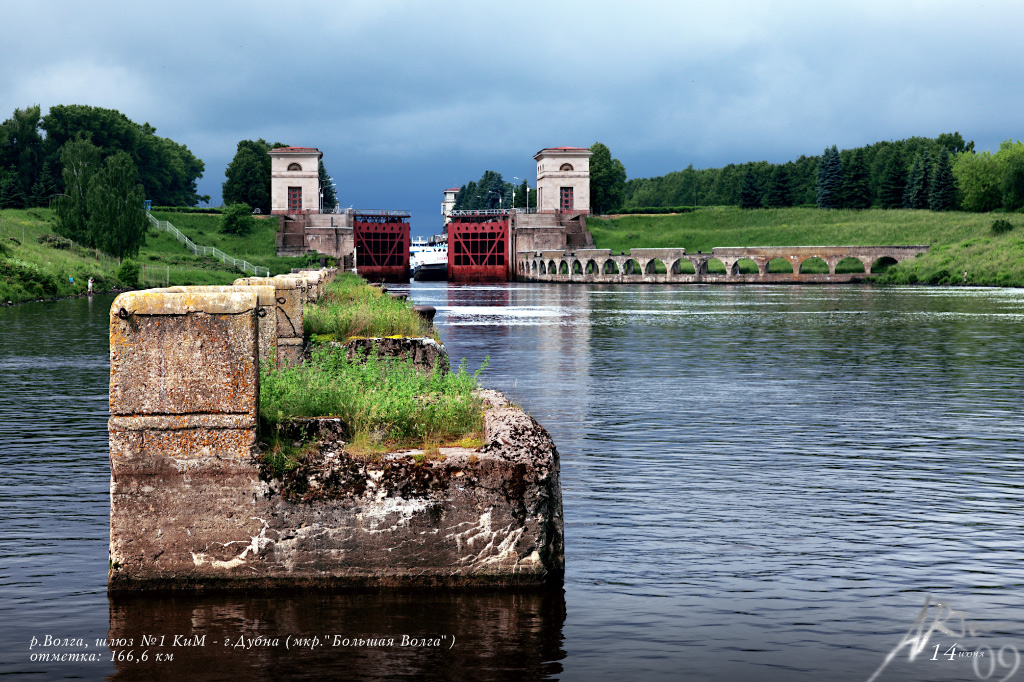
[[290, 296], [266, 313], [425, 353], [178, 353], [307, 287], [485, 516], [184, 390]]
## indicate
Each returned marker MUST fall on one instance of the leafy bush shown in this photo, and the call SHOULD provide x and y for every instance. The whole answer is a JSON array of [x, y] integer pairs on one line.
[[1000, 226], [128, 273], [54, 241], [237, 220], [18, 274]]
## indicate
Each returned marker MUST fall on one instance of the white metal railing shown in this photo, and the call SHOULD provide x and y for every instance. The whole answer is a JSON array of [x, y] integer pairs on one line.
[[377, 211], [243, 265], [490, 211]]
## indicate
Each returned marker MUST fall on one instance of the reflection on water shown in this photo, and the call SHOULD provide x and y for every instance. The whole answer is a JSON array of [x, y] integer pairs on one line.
[[760, 483], [470, 636]]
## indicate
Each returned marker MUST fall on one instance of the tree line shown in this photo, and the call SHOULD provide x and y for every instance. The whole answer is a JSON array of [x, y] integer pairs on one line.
[[942, 173], [95, 167], [31, 146]]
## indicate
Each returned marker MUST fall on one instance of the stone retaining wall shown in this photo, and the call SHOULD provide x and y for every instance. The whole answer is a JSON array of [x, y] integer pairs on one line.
[[190, 508]]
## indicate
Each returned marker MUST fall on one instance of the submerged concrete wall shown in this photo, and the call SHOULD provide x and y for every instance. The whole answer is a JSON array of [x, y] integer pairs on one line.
[[193, 508]]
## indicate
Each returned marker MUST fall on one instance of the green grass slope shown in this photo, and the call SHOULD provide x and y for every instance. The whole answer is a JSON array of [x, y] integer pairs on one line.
[[32, 270], [960, 242]]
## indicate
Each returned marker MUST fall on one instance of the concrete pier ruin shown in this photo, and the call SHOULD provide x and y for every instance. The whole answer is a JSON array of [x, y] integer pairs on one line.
[[192, 507]]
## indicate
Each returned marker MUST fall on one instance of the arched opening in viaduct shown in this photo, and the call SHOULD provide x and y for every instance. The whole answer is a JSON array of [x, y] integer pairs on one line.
[[814, 266], [883, 264], [577, 268], [563, 268], [592, 268], [655, 267], [683, 266], [715, 266], [611, 267], [630, 267], [780, 265], [744, 266], [849, 265]]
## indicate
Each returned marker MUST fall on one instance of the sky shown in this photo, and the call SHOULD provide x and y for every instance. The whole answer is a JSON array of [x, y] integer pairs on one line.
[[407, 98]]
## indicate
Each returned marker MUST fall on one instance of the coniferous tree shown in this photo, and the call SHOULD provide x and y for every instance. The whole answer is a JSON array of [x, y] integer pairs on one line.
[[11, 194], [330, 197], [523, 195], [916, 193], [942, 192], [856, 189], [44, 189], [894, 181], [830, 178], [779, 194], [750, 192]]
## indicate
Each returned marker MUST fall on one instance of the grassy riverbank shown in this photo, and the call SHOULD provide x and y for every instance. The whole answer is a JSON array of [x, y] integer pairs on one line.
[[31, 269], [960, 241]]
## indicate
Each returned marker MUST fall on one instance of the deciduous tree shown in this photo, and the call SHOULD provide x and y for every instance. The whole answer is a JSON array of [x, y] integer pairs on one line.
[[80, 160], [248, 175], [978, 179], [607, 180], [167, 170], [116, 209]]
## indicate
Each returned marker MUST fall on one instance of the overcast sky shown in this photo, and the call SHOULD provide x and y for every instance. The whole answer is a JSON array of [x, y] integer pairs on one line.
[[408, 98]]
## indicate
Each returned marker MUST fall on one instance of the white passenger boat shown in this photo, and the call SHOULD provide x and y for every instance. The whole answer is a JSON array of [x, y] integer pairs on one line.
[[428, 259]]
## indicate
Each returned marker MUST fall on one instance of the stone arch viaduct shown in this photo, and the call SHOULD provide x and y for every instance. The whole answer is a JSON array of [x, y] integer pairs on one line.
[[676, 265]]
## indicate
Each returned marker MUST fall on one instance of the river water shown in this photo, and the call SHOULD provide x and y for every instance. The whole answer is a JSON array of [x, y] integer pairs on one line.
[[760, 483]]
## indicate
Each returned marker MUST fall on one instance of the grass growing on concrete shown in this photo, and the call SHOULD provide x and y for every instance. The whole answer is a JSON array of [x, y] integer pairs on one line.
[[350, 308], [383, 403], [959, 241]]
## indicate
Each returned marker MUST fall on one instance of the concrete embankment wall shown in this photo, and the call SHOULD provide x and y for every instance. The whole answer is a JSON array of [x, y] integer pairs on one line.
[[192, 508]]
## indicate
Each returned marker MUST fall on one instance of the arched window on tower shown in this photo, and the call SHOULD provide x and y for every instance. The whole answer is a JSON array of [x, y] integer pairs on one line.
[[566, 167], [294, 167]]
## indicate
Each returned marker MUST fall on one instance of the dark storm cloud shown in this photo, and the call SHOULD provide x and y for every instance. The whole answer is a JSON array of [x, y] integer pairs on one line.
[[407, 98]]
